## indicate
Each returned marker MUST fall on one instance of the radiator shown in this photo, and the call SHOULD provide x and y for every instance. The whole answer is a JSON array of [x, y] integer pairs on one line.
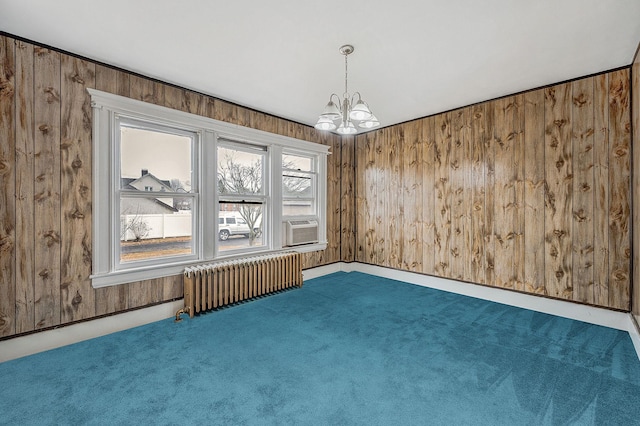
[[219, 284]]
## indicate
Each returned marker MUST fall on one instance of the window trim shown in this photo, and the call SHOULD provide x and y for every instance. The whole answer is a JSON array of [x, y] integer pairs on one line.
[[107, 106]]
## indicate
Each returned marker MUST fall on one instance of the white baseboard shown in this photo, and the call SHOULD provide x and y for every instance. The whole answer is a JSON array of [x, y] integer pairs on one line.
[[74, 333], [589, 314], [51, 339]]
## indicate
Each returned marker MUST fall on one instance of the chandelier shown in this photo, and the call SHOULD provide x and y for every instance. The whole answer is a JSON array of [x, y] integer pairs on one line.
[[349, 114]]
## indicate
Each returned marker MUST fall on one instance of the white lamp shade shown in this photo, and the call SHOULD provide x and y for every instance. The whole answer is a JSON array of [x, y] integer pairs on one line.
[[370, 123], [325, 123], [347, 129], [331, 111], [360, 111]]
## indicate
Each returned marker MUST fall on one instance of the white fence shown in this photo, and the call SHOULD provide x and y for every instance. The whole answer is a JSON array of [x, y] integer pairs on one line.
[[155, 225]]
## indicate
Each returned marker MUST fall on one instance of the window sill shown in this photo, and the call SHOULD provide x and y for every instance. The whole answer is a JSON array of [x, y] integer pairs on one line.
[[160, 271]]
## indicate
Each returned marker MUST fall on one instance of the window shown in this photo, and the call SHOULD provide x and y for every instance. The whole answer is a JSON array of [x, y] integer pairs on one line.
[[242, 196], [172, 189], [155, 220], [298, 186]]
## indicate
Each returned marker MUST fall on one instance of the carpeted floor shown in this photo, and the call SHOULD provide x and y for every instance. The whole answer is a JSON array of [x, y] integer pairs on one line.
[[345, 349]]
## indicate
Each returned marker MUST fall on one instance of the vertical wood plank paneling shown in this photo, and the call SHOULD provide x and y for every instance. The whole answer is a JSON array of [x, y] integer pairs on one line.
[[601, 191], [477, 137], [558, 207], [411, 199], [371, 175], [172, 287], [7, 187], [25, 219], [334, 163], [442, 222], [347, 202], [583, 183], [146, 90], [113, 298], [395, 213], [505, 196], [467, 199], [635, 185], [619, 187], [428, 194], [175, 98], [519, 255], [77, 295], [381, 231], [360, 174], [489, 196], [534, 211], [47, 187], [456, 177]]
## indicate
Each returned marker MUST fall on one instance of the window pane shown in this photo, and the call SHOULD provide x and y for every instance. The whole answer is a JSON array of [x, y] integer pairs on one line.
[[294, 162], [242, 227], [154, 161], [296, 185], [297, 208], [152, 228], [239, 172]]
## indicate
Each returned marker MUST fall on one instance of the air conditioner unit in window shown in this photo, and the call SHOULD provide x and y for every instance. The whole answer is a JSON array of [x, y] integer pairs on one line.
[[301, 232]]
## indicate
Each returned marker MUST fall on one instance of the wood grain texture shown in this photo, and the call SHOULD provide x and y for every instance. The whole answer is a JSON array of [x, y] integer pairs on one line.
[[583, 184], [619, 187], [489, 196], [382, 169], [442, 221], [395, 211], [77, 296], [635, 97], [477, 144], [458, 206], [114, 298], [427, 126], [334, 166], [347, 200], [505, 196], [48, 231], [559, 178], [467, 169], [7, 187], [24, 159], [411, 199], [146, 90], [371, 176], [361, 202], [534, 211], [519, 255], [601, 191]]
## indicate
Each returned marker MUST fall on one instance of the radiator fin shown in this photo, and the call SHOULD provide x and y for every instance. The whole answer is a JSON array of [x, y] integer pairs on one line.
[[218, 284]]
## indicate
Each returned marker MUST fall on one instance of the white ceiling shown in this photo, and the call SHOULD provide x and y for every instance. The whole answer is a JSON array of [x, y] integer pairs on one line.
[[412, 58]]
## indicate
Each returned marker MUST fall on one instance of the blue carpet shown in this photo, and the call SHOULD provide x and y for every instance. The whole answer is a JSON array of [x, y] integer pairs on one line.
[[346, 349]]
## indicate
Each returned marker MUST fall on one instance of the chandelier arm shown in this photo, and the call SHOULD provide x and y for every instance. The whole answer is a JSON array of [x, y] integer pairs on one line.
[[339, 101]]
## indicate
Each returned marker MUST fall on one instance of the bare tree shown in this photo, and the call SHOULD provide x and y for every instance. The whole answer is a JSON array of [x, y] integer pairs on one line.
[[246, 179], [136, 224]]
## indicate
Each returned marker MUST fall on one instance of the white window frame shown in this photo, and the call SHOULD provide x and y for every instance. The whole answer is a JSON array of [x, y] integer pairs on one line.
[[107, 107], [314, 183]]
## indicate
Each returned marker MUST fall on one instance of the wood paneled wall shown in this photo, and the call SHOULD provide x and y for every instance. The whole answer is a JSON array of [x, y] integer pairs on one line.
[[529, 192], [635, 95], [45, 185]]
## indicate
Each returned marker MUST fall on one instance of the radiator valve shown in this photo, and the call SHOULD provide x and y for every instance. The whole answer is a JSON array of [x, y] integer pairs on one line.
[[184, 310]]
